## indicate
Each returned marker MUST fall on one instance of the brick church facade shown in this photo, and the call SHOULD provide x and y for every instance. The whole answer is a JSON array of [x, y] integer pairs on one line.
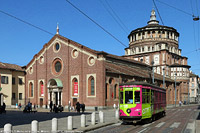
[[65, 71]]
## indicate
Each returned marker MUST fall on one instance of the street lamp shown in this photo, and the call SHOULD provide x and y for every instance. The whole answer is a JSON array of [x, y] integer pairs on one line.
[[152, 63], [163, 77], [175, 89]]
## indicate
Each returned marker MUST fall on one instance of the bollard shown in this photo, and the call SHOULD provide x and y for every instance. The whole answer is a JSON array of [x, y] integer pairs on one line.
[[70, 123], [83, 120], [54, 125], [8, 128], [34, 126], [114, 106], [93, 118], [117, 114], [101, 117]]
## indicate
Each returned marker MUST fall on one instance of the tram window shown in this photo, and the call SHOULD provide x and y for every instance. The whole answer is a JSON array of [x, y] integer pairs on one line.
[[121, 97], [128, 97], [137, 97]]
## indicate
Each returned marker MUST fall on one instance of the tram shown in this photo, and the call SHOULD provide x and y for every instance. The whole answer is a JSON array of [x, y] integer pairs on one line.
[[141, 101]]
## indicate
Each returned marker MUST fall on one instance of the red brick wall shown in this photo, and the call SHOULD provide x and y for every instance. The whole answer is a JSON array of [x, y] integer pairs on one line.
[[78, 66]]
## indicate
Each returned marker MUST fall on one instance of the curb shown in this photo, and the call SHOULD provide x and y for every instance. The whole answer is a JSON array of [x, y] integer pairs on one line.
[[94, 127]]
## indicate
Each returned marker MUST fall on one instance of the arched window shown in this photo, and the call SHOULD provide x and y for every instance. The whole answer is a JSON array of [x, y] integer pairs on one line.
[[91, 86], [116, 91], [74, 87], [41, 88], [30, 89]]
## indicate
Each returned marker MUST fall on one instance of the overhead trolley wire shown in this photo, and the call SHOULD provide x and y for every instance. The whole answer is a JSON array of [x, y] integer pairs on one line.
[[23, 21], [116, 15], [175, 8], [95, 23], [158, 11], [113, 17]]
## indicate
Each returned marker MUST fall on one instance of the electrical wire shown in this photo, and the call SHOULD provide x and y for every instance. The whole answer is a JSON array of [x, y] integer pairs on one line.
[[175, 8], [158, 11], [23, 21], [193, 51], [113, 17], [95, 23], [116, 15]]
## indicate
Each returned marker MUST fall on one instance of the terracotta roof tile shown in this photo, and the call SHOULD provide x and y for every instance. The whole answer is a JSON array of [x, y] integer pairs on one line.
[[11, 67]]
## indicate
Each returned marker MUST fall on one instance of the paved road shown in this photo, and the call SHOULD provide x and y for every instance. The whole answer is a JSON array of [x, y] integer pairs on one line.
[[177, 120]]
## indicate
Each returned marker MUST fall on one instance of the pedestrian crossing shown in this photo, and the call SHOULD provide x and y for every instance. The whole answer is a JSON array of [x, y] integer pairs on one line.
[[189, 128], [182, 109]]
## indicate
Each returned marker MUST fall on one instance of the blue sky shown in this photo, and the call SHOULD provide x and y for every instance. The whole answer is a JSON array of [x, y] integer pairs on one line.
[[20, 42]]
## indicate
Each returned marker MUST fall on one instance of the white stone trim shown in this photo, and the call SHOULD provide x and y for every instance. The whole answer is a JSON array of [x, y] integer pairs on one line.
[[29, 88], [72, 77], [52, 66], [88, 60], [60, 41], [31, 72], [43, 80], [43, 59], [54, 46], [87, 77], [73, 54]]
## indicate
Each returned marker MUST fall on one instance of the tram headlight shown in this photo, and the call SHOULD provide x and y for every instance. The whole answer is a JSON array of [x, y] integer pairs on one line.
[[128, 111], [138, 113]]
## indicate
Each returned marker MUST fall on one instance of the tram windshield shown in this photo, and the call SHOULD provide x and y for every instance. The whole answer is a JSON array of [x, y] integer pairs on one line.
[[137, 97], [128, 97]]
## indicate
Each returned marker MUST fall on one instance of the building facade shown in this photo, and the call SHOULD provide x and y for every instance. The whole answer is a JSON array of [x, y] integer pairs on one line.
[[194, 88], [12, 85], [65, 71], [158, 46]]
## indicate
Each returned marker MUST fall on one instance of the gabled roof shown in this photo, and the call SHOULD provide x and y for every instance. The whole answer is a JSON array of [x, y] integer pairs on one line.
[[66, 40], [12, 67]]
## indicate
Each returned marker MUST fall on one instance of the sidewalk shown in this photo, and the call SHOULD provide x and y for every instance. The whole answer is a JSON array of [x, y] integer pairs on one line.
[[44, 118]]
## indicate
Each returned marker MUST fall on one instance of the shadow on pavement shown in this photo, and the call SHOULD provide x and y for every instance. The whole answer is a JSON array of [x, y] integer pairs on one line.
[[20, 118]]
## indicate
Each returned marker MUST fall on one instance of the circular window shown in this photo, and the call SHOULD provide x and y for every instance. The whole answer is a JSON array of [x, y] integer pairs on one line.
[[41, 59], [57, 66], [74, 53], [91, 61], [31, 70], [57, 46]]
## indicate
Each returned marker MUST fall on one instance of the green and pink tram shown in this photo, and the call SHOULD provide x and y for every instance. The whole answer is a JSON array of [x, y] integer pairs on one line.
[[141, 100]]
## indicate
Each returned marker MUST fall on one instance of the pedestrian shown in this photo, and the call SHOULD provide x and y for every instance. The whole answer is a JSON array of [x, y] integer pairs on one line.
[[51, 106], [4, 107], [20, 105], [55, 108], [69, 106], [78, 107], [83, 107], [180, 103], [16, 105]]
